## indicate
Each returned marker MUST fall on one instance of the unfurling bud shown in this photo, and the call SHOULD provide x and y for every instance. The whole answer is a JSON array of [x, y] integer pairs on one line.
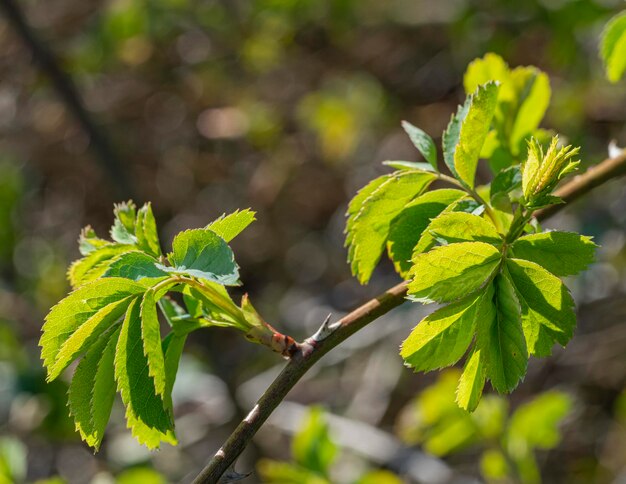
[[541, 173]]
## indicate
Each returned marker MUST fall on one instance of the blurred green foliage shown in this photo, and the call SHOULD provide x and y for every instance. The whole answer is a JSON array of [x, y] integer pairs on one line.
[[508, 440]]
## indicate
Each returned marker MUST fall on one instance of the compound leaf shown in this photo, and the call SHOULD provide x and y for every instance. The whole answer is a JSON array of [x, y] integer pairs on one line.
[[442, 337], [368, 227], [202, 253], [424, 143], [547, 307], [453, 271], [406, 229], [230, 226], [562, 253]]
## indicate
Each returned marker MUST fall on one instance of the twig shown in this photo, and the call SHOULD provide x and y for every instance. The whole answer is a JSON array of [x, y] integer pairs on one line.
[[67, 91], [356, 320]]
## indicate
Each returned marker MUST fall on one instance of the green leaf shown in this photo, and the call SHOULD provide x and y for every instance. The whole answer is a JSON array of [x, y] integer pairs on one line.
[[134, 266], [86, 334], [409, 165], [547, 307], [613, 47], [202, 253], [95, 263], [77, 308], [173, 346], [146, 415], [230, 226], [467, 131], [562, 253], [505, 182], [500, 337], [480, 71], [406, 229], [146, 231], [441, 338], [424, 143], [532, 93], [369, 221], [312, 446], [88, 241], [92, 389], [472, 382], [123, 229], [535, 424], [453, 271], [151, 340], [453, 227]]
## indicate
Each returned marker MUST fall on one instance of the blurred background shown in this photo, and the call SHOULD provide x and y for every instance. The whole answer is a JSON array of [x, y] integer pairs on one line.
[[287, 107]]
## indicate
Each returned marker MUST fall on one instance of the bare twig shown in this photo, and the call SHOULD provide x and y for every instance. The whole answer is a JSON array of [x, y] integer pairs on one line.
[[67, 91], [301, 361]]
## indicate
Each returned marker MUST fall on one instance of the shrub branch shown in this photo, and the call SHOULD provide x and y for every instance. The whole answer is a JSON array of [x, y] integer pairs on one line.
[[314, 348]]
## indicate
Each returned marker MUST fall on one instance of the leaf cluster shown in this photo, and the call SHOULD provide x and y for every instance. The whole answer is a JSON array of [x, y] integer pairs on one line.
[[477, 249], [111, 319]]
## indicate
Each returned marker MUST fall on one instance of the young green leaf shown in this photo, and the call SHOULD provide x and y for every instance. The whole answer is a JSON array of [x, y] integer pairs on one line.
[[471, 382], [613, 47], [467, 131], [146, 231], [77, 308], [135, 266], [424, 143], [230, 226], [500, 337], [562, 253], [92, 389], [547, 307], [505, 182], [441, 338], [88, 241], [86, 334], [146, 415], [453, 271], [202, 253], [532, 93], [368, 228], [95, 263], [173, 346], [453, 227], [406, 229], [151, 341], [480, 71], [123, 229]]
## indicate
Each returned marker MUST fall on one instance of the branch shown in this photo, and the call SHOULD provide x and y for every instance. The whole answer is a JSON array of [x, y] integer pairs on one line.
[[67, 91], [312, 349]]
